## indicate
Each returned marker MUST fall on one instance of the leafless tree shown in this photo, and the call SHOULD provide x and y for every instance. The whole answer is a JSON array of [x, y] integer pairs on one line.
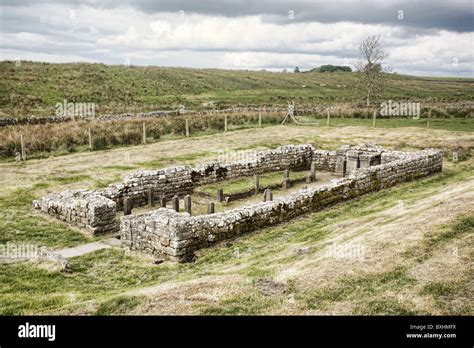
[[371, 65]]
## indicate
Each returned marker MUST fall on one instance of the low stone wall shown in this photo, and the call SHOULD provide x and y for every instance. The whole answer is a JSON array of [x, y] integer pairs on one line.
[[95, 210], [85, 209], [325, 160], [301, 110], [10, 121], [460, 153], [176, 236], [292, 157], [391, 156], [71, 206], [181, 180], [348, 158], [165, 183]]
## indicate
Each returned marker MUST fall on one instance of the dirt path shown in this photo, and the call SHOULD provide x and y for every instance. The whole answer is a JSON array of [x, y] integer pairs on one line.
[[88, 248]]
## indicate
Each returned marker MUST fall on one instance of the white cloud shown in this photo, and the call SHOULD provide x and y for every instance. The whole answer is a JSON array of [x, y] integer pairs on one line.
[[110, 35], [7, 54]]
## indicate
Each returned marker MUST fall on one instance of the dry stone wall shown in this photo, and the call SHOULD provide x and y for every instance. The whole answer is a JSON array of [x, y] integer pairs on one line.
[[181, 180], [95, 210], [176, 236], [348, 158], [325, 160], [292, 157], [159, 114], [72, 206], [82, 208], [304, 110], [165, 183]]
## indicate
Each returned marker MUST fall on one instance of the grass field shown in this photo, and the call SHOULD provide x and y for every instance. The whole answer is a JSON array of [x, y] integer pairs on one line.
[[417, 237], [244, 184], [65, 138], [35, 88]]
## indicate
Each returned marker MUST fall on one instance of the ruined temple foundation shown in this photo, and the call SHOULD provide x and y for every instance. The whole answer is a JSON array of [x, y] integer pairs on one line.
[[176, 236]]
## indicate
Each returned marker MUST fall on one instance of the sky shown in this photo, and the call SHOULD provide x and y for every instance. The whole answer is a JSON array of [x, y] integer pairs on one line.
[[429, 38]]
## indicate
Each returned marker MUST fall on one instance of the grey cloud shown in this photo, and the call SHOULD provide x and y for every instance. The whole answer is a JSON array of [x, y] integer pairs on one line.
[[454, 15], [420, 18]]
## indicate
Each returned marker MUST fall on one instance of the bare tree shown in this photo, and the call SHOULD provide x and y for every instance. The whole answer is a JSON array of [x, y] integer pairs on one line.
[[371, 65]]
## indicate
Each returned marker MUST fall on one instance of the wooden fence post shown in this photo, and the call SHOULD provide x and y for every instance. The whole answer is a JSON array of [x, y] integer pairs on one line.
[[187, 128], [429, 119], [259, 120], [225, 123], [329, 116], [144, 133], [23, 150], [90, 138], [374, 120]]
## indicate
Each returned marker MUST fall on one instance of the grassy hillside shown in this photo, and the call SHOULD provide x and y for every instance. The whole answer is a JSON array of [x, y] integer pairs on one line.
[[34, 88]]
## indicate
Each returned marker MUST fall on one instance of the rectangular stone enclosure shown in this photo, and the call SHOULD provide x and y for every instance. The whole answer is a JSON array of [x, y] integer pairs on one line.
[[173, 235]]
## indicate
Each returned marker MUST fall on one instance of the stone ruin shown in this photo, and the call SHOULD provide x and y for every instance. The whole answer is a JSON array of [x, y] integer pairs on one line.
[[173, 235]]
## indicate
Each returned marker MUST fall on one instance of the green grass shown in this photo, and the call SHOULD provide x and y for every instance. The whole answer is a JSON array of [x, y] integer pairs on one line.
[[104, 183], [101, 281], [452, 298], [121, 168], [234, 186], [384, 306], [366, 291], [34, 88], [438, 289], [359, 289], [66, 180], [120, 305], [464, 225], [251, 304], [260, 253], [41, 185], [161, 162], [450, 124], [19, 225], [61, 139], [98, 275], [107, 274]]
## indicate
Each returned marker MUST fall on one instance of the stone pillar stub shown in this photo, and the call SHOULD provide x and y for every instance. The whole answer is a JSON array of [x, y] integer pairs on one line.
[[367, 159], [341, 160], [364, 160], [187, 204], [352, 161], [175, 201]]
